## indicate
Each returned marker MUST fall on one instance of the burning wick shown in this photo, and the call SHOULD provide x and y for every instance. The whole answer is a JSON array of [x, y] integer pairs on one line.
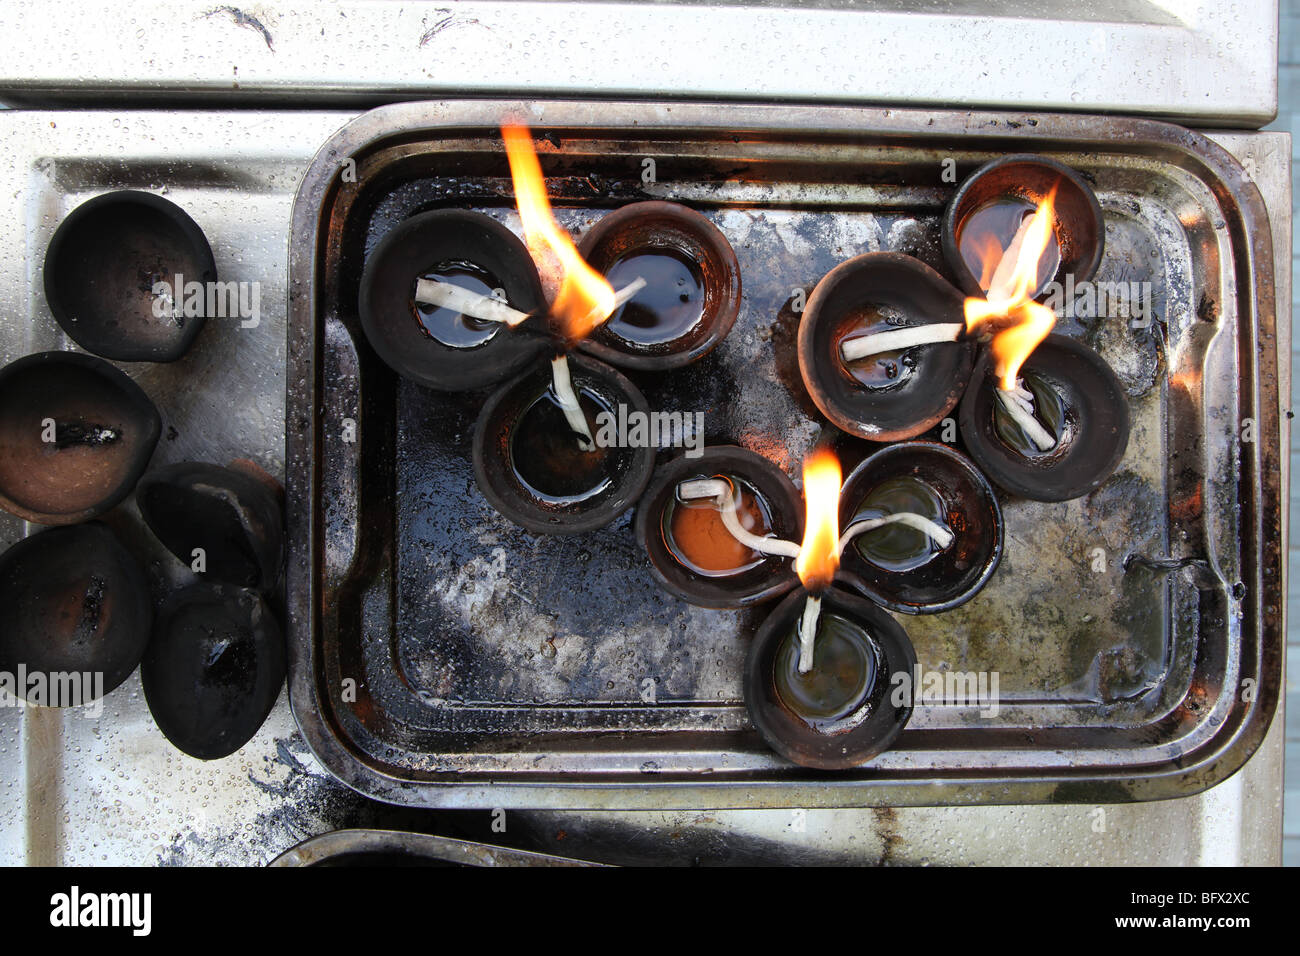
[[1019, 323], [585, 299], [485, 307], [489, 308], [818, 557]]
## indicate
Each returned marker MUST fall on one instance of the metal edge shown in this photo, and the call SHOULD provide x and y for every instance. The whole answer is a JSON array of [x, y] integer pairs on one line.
[[417, 846], [1212, 763]]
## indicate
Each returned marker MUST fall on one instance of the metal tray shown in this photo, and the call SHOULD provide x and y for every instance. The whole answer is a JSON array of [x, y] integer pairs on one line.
[[494, 668]]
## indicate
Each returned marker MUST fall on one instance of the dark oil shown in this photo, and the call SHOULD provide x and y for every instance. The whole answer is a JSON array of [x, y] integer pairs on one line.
[[670, 305], [448, 326], [845, 665], [695, 535], [1049, 409], [884, 369], [896, 547], [1000, 219], [545, 453]]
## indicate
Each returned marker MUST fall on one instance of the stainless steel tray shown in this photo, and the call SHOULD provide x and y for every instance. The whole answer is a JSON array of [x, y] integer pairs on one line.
[[486, 678]]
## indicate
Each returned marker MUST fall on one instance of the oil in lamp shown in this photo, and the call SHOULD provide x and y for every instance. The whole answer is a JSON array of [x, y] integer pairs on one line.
[[901, 566], [1045, 417], [103, 264], [76, 433], [692, 285], [880, 347], [536, 458], [990, 208], [821, 669], [76, 602], [719, 529], [451, 299]]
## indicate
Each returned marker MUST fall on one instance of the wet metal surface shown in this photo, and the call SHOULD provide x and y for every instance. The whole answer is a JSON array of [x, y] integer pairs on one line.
[[496, 668], [85, 790]]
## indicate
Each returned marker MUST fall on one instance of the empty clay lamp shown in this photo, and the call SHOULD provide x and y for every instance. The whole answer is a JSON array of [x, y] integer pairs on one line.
[[990, 208], [451, 299], [75, 436], [843, 710], [1079, 422], [76, 603], [223, 523], [537, 469], [696, 520], [214, 669], [900, 565], [691, 294], [882, 349], [105, 266]]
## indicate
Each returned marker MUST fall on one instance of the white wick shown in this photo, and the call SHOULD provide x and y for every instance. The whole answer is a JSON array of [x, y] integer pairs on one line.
[[895, 340], [723, 497], [1000, 285], [568, 399], [485, 307], [725, 501], [491, 309], [812, 611], [1019, 404], [935, 531]]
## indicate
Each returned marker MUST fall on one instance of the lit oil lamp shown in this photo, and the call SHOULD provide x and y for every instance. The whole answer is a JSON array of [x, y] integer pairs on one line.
[[900, 565], [451, 299], [1045, 417], [103, 264], [880, 347], [76, 434], [821, 669], [719, 528], [692, 292], [990, 208], [536, 455]]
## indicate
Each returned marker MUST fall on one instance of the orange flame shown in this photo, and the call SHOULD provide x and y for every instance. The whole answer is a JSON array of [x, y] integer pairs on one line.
[[819, 556], [585, 299], [1019, 322]]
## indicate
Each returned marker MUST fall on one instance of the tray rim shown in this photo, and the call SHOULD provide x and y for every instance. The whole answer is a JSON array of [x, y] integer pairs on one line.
[[1248, 224]]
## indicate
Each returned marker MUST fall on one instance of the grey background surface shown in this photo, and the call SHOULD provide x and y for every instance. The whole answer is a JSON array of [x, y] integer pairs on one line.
[[1288, 119]]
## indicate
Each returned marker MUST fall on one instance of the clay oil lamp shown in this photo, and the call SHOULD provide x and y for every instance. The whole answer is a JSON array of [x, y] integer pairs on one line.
[[103, 267], [546, 452], [75, 436], [75, 603], [1045, 417], [820, 679], [720, 528], [991, 207], [451, 299], [692, 292], [224, 523], [904, 566], [213, 669], [879, 349]]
